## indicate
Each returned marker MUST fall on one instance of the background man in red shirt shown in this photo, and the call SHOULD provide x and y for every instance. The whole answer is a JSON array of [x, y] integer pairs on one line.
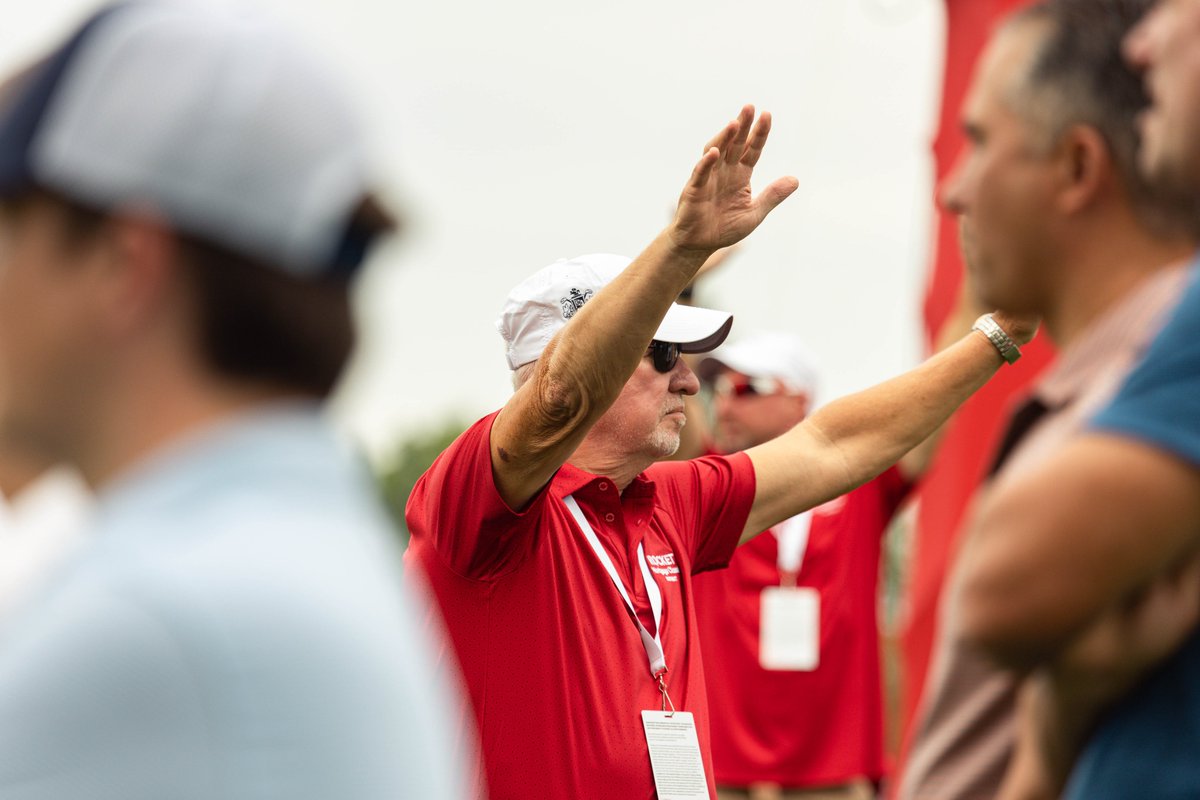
[[563, 559], [800, 730]]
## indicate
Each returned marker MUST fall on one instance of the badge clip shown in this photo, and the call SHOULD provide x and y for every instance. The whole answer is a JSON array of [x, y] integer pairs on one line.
[[661, 678]]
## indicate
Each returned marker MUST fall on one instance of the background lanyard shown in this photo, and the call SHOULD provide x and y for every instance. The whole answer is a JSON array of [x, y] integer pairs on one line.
[[652, 644], [791, 536]]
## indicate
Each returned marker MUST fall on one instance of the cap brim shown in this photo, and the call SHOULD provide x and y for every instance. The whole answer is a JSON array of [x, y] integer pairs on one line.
[[695, 330]]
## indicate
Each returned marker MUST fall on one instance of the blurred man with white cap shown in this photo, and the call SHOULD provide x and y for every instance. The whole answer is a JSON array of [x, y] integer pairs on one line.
[[183, 197], [799, 713], [563, 555], [773, 374]]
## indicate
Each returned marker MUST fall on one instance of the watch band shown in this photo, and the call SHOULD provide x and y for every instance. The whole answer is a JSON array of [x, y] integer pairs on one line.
[[988, 326]]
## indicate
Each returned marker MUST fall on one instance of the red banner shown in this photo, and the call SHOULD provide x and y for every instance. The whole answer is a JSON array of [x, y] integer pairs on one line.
[[967, 446]]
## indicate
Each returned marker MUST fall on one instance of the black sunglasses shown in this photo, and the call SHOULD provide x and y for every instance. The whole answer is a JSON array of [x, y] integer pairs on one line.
[[664, 354]]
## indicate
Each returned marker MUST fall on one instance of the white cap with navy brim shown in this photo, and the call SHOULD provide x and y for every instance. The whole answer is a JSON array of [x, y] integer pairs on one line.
[[210, 115], [542, 304]]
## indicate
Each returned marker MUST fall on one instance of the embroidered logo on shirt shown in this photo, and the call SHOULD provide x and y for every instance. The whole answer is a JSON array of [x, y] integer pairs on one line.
[[574, 301], [665, 566]]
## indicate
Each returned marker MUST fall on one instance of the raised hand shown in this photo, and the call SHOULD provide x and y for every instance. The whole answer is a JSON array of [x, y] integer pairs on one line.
[[717, 208]]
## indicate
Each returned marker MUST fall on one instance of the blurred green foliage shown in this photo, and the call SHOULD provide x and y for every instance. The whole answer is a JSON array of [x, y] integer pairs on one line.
[[412, 457]]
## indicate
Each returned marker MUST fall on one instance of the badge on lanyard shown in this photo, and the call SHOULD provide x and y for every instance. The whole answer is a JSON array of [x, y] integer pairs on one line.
[[675, 755], [670, 735], [790, 616]]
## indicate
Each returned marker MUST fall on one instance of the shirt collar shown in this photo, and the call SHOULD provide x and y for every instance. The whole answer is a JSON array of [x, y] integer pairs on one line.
[[570, 479], [1119, 335]]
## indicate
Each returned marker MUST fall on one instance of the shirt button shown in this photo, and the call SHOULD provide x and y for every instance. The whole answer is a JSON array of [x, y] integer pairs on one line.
[[602, 486], [609, 517]]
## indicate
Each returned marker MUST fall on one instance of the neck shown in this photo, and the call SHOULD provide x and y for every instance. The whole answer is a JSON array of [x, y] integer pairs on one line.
[[620, 468], [136, 424], [1103, 271]]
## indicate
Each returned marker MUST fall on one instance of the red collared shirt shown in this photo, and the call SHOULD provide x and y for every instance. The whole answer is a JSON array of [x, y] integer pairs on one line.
[[552, 660]]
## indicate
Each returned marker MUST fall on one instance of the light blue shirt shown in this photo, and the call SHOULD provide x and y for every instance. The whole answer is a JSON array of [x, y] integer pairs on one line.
[[234, 628]]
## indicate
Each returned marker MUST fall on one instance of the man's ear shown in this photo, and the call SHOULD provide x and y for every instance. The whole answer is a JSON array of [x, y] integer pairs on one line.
[[143, 268], [1085, 167]]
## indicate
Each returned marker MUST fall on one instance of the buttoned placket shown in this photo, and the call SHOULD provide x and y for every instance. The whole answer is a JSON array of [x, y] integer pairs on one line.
[[615, 511]]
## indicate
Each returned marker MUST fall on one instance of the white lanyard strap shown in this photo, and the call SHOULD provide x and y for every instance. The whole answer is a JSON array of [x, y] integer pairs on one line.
[[653, 644], [792, 538]]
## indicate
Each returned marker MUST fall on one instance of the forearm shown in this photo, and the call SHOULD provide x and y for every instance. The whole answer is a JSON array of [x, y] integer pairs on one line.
[[1050, 731], [966, 310], [853, 439], [1055, 547], [872, 429]]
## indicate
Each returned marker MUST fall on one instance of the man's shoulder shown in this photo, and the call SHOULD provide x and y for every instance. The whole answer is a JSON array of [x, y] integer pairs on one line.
[[244, 557], [697, 468], [462, 461], [1160, 402]]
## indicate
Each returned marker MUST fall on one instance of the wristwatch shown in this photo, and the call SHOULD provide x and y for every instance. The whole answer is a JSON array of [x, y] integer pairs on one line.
[[988, 326]]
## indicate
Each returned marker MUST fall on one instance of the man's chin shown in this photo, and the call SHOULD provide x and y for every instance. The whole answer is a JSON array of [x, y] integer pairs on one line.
[[664, 444]]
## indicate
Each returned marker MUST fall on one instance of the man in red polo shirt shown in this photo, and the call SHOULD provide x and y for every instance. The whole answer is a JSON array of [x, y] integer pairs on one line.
[[563, 559], [810, 726]]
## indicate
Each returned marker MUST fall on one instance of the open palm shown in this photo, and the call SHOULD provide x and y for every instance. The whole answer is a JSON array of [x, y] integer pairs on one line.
[[717, 208]]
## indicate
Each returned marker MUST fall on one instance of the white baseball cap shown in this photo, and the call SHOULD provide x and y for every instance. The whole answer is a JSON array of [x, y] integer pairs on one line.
[[779, 356], [207, 114], [539, 306]]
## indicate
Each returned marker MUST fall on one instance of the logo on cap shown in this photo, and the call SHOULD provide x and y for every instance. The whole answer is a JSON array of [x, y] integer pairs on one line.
[[574, 301]]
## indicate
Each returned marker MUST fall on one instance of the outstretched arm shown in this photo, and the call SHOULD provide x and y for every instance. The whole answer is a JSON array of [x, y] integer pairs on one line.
[[855, 438], [1054, 548], [585, 366]]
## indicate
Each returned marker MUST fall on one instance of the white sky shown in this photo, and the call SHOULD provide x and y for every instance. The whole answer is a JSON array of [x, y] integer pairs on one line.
[[513, 134]]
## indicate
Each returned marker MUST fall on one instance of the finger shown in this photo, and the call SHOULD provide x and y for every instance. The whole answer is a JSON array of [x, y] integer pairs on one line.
[[758, 140], [775, 194], [745, 121], [704, 168], [721, 140]]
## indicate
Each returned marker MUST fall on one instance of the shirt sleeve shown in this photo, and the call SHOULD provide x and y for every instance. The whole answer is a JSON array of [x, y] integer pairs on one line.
[[710, 499], [1160, 402], [456, 510]]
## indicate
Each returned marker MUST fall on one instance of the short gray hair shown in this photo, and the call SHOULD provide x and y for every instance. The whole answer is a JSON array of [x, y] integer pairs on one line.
[[1078, 76]]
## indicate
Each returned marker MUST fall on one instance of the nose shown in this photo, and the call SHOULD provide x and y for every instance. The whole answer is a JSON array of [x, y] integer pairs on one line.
[[950, 191], [1136, 45], [683, 379]]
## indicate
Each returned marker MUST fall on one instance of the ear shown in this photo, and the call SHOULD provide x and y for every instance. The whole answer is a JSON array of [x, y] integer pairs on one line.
[[143, 272], [1086, 168]]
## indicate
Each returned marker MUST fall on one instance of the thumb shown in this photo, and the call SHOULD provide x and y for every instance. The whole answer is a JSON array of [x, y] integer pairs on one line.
[[779, 190]]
